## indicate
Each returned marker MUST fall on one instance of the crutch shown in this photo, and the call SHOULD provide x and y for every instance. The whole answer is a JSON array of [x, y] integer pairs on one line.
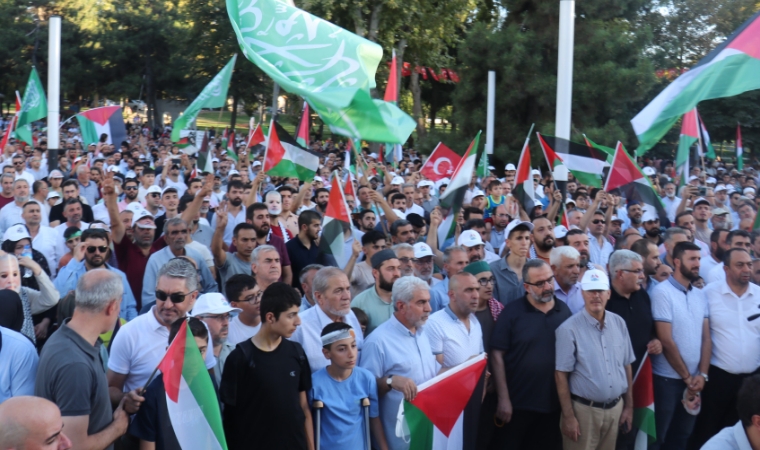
[[365, 407], [318, 405]]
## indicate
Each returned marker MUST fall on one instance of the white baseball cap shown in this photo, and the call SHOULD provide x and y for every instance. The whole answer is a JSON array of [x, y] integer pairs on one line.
[[692, 178], [53, 194], [535, 172], [167, 189], [478, 193], [233, 172], [510, 166], [397, 180], [616, 219], [470, 238], [422, 250], [16, 233], [56, 174], [747, 190], [143, 214], [424, 183], [595, 280], [649, 215], [212, 303], [373, 155], [560, 231], [518, 222], [134, 207], [649, 171], [704, 200], [256, 163], [719, 188], [569, 200]]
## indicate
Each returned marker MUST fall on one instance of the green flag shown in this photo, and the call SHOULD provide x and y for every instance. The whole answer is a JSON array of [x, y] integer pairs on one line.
[[214, 95], [33, 107], [330, 67], [482, 170]]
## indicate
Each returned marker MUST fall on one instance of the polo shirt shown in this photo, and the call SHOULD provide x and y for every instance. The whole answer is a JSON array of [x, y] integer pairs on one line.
[[448, 336], [138, 347], [45, 243], [595, 356], [163, 256], [232, 222], [735, 340], [729, 438], [651, 284], [375, 307], [71, 375], [526, 336], [508, 286], [309, 335], [300, 257], [304, 304], [498, 237], [572, 298], [636, 311], [19, 368], [686, 310], [393, 350]]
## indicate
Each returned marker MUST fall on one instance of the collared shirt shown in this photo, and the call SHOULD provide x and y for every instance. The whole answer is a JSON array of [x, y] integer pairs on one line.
[[375, 307], [498, 238], [19, 368], [10, 215], [448, 336], [572, 298], [138, 348], [526, 336], [729, 438], [163, 256], [134, 262], [227, 348], [595, 356], [706, 265], [671, 206], [636, 311], [735, 340], [304, 304], [393, 350], [69, 275], [686, 310], [45, 243], [232, 222], [651, 283], [439, 295], [600, 254], [716, 274], [429, 205], [88, 191], [309, 335], [508, 286]]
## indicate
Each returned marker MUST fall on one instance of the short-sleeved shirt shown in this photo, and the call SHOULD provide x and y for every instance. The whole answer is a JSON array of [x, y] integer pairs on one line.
[[636, 311], [300, 257], [261, 396], [595, 356], [239, 331], [572, 298], [19, 364], [375, 307], [686, 311], [233, 266], [448, 336], [71, 375], [393, 350], [526, 336], [133, 263], [508, 286], [343, 416], [309, 333]]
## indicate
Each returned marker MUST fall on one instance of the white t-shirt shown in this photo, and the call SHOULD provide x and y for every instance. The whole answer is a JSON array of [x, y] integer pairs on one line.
[[138, 348], [240, 331], [45, 243]]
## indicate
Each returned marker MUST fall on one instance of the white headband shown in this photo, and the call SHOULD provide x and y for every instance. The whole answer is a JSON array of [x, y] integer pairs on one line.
[[338, 335]]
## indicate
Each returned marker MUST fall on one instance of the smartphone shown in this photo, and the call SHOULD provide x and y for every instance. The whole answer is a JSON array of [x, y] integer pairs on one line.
[[176, 161], [702, 191]]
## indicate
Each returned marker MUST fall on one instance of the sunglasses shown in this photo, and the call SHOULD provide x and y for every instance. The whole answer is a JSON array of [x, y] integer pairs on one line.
[[540, 283], [133, 188], [597, 221], [18, 163], [155, 194], [175, 297], [99, 249]]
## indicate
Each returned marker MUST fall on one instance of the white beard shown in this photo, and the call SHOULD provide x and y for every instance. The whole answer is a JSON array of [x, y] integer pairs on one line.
[[275, 211]]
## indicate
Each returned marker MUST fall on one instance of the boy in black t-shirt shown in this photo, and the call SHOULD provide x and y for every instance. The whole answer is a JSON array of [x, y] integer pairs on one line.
[[266, 379]]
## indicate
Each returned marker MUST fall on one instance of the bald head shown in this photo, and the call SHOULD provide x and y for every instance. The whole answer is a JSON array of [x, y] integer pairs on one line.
[[458, 278], [31, 423]]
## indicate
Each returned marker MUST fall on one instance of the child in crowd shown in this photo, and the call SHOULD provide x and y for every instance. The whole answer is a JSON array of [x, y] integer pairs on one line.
[[73, 237], [495, 197], [341, 386], [363, 319]]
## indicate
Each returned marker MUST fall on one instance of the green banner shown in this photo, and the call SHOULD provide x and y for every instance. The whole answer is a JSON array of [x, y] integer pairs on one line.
[[33, 107]]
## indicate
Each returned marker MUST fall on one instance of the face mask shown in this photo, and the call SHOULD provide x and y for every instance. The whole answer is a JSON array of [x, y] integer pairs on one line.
[[275, 211]]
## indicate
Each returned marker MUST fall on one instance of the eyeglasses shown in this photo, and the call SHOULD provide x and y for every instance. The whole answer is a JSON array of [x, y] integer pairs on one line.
[[255, 298], [18, 163], [133, 188], [175, 297], [405, 260], [219, 317], [154, 194], [177, 232], [637, 272], [99, 249], [486, 281], [425, 260], [597, 221], [541, 283]]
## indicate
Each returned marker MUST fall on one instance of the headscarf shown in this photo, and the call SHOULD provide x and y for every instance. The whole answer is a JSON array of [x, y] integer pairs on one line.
[[11, 310]]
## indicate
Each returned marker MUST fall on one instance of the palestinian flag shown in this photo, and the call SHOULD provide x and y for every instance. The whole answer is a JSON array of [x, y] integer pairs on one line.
[[192, 405], [256, 142], [586, 164], [224, 138], [12, 125], [728, 70], [302, 137], [231, 151], [609, 152], [391, 89], [183, 142], [739, 148], [643, 406], [285, 158], [205, 157], [453, 198], [689, 135], [445, 413], [634, 185], [104, 120], [523, 190], [337, 216], [706, 148]]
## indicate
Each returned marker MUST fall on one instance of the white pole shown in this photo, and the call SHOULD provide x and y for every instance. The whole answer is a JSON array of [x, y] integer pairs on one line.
[[54, 90], [490, 111], [565, 69]]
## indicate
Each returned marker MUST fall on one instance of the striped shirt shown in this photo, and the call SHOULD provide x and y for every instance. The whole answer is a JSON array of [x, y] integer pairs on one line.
[[594, 356]]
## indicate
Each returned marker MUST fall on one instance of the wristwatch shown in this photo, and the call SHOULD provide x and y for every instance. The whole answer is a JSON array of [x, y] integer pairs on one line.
[[389, 380], [704, 375]]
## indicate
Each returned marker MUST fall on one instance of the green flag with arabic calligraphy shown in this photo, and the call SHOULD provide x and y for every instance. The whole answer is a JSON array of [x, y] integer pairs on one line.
[[33, 107], [332, 68]]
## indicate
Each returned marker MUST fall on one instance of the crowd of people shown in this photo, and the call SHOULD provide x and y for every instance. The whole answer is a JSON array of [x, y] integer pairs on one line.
[[107, 254]]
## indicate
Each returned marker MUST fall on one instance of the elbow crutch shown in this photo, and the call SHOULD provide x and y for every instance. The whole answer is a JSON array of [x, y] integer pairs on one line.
[[318, 405], [365, 407]]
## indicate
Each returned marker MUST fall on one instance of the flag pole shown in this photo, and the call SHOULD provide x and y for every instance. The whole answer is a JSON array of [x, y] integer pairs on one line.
[[565, 69], [54, 91], [638, 371]]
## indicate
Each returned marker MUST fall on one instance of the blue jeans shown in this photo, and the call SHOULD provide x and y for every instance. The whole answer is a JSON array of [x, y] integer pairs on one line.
[[673, 424]]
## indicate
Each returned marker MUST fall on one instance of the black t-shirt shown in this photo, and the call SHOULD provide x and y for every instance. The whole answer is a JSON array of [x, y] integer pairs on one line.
[[261, 396], [526, 335], [56, 213], [637, 314]]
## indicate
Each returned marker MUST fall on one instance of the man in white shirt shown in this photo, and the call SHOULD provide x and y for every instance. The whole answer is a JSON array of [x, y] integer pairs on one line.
[[10, 214], [734, 239], [332, 293], [718, 248], [735, 344], [671, 201], [43, 237], [19, 165], [745, 434]]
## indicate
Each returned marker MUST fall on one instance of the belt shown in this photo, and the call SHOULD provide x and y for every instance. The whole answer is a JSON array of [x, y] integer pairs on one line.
[[593, 404]]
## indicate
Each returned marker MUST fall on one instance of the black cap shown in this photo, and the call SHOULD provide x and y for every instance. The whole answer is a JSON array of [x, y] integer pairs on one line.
[[380, 257]]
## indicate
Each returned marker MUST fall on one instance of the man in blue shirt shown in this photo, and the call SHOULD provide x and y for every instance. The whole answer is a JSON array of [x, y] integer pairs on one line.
[[19, 367], [94, 245]]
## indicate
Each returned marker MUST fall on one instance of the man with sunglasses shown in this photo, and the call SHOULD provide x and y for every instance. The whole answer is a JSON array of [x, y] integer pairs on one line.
[[130, 193], [19, 167], [522, 349], [95, 244], [214, 310]]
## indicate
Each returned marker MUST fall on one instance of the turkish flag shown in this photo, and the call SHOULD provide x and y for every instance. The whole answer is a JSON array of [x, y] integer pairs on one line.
[[441, 163]]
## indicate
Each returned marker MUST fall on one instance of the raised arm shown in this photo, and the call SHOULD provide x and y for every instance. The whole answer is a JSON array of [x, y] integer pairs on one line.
[[256, 185], [600, 196], [356, 249], [436, 217], [194, 207], [298, 200], [378, 199], [118, 231], [217, 241]]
